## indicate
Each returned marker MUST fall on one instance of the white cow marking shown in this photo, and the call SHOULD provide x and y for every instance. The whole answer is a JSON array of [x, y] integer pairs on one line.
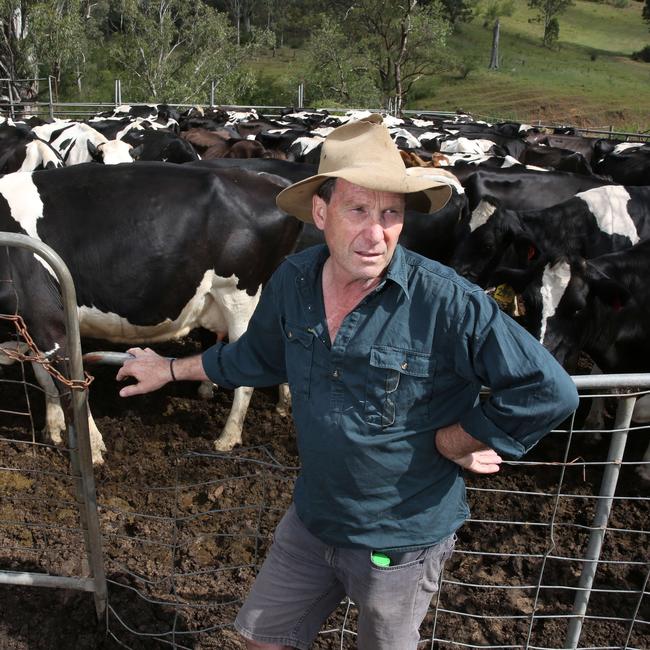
[[482, 212], [217, 305], [37, 153], [619, 148], [115, 152], [439, 175], [555, 280], [323, 131], [466, 145], [24, 200], [411, 140], [302, 146], [608, 204]]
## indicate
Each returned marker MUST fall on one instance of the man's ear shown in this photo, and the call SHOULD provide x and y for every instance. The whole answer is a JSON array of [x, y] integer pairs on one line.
[[318, 211]]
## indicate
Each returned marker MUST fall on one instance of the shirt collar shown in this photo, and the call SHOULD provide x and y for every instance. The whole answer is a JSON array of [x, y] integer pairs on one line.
[[310, 261], [397, 270]]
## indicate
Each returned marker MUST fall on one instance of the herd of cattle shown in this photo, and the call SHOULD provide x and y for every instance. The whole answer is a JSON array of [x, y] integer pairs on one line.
[[556, 226]]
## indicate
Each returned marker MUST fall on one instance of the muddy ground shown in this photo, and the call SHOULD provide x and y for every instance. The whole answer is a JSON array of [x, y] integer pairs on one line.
[[183, 529]]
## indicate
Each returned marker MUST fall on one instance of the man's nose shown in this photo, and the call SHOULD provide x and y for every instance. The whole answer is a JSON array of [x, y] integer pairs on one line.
[[374, 230]]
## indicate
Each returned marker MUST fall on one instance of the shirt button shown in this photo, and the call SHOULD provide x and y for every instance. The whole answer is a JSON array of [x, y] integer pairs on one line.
[[308, 307], [335, 373], [405, 365], [290, 334]]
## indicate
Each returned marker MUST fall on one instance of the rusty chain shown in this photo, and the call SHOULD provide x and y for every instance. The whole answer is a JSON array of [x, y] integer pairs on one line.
[[34, 355]]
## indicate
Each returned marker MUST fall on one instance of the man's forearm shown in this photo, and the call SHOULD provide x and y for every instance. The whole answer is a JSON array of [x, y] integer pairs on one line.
[[455, 444]]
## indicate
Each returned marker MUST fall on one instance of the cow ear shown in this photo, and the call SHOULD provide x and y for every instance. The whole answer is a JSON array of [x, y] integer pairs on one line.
[[518, 279], [526, 249], [612, 293], [93, 150], [136, 152]]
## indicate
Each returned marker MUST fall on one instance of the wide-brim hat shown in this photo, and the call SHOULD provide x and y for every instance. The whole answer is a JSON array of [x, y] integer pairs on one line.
[[363, 153]]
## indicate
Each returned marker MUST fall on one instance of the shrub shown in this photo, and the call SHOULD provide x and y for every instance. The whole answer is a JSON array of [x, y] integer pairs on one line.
[[642, 55]]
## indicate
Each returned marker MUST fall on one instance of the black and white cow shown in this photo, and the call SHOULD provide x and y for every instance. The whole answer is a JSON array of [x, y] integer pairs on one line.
[[22, 150], [592, 223], [152, 144], [600, 306], [628, 163], [155, 250], [78, 143], [519, 188]]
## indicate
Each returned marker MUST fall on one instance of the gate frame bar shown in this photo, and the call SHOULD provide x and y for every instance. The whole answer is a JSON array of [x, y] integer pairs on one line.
[[78, 441]]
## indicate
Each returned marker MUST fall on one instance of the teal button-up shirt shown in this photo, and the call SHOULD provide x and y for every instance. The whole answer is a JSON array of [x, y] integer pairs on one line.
[[409, 359]]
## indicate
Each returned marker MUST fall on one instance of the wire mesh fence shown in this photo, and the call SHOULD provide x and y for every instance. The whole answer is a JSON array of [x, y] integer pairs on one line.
[[185, 533], [555, 554]]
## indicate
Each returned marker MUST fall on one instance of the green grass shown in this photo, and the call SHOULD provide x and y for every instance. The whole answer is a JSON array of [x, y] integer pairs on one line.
[[589, 80]]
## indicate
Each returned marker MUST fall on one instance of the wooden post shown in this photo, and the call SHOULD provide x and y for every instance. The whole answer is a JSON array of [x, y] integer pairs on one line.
[[494, 59]]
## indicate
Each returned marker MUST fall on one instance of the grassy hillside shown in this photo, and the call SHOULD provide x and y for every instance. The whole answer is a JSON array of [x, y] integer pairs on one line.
[[588, 81]]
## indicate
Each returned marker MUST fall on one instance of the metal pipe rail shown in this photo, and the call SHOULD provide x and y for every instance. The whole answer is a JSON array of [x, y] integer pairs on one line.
[[79, 440]]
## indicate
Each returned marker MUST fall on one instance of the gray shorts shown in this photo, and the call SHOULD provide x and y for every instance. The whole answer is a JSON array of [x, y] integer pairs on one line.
[[302, 581]]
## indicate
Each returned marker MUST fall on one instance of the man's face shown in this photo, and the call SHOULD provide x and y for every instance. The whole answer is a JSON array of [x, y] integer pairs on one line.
[[361, 228]]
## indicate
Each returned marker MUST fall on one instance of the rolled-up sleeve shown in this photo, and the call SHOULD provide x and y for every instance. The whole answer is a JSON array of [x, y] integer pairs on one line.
[[257, 357], [530, 393]]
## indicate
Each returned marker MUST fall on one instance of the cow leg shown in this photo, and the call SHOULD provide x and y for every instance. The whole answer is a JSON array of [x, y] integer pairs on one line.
[[232, 431], [55, 425], [54, 417], [237, 307], [283, 407], [97, 446], [206, 388]]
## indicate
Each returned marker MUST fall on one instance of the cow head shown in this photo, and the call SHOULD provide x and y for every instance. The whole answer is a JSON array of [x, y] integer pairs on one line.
[[110, 152], [484, 235], [570, 306]]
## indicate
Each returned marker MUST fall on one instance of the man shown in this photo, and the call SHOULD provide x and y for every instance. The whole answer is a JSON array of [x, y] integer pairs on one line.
[[385, 353]]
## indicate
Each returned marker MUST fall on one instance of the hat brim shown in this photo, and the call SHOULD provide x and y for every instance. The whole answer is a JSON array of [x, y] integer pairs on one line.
[[423, 193]]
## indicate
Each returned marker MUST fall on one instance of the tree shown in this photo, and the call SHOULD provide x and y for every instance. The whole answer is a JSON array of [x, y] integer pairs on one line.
[[337, 69], [61, 36], [173, 49], [646, 11], [494, 57], [459, 11], [400, 40], [547, 13], [495, 9], [492, 12], [17, 58]]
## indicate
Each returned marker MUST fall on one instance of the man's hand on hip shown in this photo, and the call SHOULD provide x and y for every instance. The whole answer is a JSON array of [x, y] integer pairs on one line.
[[455, 444]]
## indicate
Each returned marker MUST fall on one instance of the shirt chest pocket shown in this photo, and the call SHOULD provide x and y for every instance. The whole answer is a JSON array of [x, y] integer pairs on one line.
[[299, 349], [399, 382]]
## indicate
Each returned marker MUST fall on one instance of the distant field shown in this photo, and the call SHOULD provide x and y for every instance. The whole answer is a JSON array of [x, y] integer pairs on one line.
[[588, 81]]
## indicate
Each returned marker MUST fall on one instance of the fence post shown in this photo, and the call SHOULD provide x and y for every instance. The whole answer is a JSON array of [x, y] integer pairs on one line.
[[212, 89], [301, 94], [599, 525], [49, 90], [11, 99]]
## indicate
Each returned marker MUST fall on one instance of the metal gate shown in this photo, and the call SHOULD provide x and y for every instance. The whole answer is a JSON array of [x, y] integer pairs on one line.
[[82, 475]]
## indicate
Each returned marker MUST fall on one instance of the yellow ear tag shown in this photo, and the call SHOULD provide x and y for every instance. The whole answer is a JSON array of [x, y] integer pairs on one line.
[[504, 295]]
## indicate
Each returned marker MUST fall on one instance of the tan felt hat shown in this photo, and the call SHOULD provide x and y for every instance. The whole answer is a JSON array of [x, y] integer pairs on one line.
[[363, 153]]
